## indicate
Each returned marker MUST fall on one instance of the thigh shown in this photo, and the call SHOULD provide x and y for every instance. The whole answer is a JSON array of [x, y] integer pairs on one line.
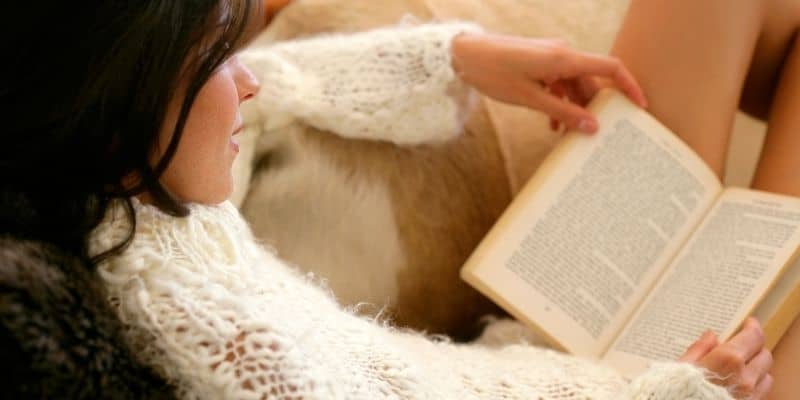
[[778, 169], [786, 369], [781, 19], [692, 58]]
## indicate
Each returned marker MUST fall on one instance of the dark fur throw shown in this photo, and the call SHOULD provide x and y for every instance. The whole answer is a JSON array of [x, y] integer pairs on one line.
[[59, 339]]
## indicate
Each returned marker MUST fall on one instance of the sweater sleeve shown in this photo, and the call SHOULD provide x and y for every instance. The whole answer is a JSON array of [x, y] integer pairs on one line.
[[661, 381], [392, 84], [222, 318], [520, 371]]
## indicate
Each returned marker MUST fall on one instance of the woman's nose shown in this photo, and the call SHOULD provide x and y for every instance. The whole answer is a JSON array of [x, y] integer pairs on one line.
[[246, 82]]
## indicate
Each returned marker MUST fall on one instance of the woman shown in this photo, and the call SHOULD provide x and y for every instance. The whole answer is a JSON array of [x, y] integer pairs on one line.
[[123, 155]]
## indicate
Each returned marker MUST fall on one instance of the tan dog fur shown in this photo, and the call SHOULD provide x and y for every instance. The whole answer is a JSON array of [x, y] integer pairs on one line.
[[391, 226]]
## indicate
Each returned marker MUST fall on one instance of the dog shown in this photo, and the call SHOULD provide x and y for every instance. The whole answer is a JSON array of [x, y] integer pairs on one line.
[[388, 227]]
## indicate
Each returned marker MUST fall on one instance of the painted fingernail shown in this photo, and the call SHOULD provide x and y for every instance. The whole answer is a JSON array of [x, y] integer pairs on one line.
[[587, 125]]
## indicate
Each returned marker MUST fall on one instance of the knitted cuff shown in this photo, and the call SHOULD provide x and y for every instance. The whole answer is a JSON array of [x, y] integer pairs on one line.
[[392, 84], [673, 380]]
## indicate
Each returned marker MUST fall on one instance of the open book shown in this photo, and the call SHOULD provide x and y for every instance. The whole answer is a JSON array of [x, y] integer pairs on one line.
[[625, 247]]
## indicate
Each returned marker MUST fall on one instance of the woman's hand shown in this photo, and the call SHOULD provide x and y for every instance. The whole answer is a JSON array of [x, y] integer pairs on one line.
[[545, 75], [741, 364]]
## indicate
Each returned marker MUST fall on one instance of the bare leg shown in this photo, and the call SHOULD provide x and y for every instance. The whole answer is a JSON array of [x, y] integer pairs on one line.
[[786, 370], [779, 171], [774, 45], [694, 60], [779, 167]]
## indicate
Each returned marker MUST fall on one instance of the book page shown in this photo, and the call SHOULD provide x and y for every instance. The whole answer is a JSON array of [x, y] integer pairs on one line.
[[746, 241], [781, 305], [590, 233]]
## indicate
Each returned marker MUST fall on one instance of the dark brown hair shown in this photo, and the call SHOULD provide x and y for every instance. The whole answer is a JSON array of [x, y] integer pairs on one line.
[[85, 88]]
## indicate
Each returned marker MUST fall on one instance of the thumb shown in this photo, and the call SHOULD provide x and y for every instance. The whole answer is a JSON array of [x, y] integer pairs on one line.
[[700, 348]]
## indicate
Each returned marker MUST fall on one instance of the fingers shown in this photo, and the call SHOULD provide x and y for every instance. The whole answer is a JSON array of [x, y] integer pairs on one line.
[[612, 68], [755, 372], [572, 115], [564, 89], [512, 69], [557, 91], [742, 363], [762, 389], [588, 87], [704, 345], [571, 89], [574, 65], [749, 341], [732, 357]]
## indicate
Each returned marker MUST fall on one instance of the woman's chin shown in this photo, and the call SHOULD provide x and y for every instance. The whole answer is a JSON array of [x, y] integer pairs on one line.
[[211, 194], [221, 196]]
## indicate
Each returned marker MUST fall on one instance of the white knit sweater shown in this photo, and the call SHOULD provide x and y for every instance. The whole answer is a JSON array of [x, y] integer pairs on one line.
[[392, 84], [223, 318]]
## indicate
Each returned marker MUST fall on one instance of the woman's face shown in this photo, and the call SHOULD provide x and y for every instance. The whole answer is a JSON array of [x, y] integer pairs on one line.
[[200, 171]]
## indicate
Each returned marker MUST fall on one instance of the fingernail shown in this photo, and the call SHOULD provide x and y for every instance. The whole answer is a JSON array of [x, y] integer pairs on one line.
[[587, 125]]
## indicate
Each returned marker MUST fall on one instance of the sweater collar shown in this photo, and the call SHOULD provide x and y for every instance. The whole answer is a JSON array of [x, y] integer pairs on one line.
[[213, 227]]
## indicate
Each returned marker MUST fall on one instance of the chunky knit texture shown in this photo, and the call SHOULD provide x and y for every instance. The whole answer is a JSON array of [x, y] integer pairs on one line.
[[389, 84], [223, 318]]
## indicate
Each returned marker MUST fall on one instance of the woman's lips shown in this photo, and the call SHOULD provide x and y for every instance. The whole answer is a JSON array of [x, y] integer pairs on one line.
[[234, 143]]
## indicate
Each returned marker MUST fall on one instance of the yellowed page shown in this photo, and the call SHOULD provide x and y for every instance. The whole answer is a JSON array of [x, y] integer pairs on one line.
[[781, 305], [588, 236], [744, 244]]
